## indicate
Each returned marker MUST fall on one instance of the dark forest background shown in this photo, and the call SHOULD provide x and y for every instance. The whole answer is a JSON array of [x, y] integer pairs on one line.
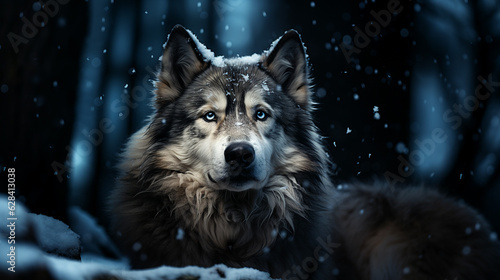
[[75, 82]]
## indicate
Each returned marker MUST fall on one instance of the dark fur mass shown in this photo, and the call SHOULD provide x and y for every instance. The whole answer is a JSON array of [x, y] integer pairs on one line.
[[230, 169], [414, 233]]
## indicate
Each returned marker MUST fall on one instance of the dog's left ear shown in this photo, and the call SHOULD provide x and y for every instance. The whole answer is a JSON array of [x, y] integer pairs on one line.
[[287, 63]]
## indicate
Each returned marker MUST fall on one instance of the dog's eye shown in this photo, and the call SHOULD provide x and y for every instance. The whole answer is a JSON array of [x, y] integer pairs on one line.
[[210, 117], [261, 115]]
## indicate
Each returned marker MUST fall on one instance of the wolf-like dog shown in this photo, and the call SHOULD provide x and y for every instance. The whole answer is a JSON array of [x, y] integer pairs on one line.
[[230, 169]]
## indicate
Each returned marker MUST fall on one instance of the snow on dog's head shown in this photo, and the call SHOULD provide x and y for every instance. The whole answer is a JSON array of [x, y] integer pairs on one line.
[[231, 146]]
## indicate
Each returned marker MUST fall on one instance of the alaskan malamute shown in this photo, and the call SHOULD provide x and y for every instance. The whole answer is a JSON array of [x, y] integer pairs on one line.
[[230, 169]]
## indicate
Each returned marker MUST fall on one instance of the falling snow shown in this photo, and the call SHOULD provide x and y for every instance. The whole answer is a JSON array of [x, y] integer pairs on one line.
[[245, 77], [180, 234], [265, 87], [376, 114]]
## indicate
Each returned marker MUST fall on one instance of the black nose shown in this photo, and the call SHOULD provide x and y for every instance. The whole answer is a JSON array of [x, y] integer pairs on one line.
[[239, 155]]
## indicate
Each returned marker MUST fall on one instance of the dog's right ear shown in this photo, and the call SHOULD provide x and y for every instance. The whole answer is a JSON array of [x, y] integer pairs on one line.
[[180, 62]]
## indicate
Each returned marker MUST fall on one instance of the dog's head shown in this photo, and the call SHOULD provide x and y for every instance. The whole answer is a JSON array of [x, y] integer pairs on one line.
[[231, 150], [234, 123]]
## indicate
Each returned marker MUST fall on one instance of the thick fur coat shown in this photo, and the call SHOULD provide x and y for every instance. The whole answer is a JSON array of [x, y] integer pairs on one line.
[[230, 169]]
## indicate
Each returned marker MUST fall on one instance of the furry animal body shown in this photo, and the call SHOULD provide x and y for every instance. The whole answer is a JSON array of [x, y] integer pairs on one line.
[[230, 169]]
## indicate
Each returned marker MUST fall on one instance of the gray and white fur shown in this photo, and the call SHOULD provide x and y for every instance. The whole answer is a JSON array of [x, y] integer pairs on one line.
[[230, 169]]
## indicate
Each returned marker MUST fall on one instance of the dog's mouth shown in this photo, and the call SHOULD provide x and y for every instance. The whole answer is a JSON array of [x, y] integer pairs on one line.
[[211, 179], [242, 178], [241, 182]]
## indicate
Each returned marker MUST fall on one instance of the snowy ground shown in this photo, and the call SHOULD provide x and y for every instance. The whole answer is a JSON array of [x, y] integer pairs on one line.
[[46, 248]]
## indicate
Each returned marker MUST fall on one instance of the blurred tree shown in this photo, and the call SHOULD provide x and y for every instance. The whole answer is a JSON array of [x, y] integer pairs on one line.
[[39, 63], [455, 88]]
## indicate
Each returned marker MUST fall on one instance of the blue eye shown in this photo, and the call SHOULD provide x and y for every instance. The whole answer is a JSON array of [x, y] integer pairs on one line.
[[210, 117], [260, 115]]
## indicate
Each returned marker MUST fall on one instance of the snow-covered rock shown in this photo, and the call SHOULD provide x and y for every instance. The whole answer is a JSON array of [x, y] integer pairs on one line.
[[54, 236]]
